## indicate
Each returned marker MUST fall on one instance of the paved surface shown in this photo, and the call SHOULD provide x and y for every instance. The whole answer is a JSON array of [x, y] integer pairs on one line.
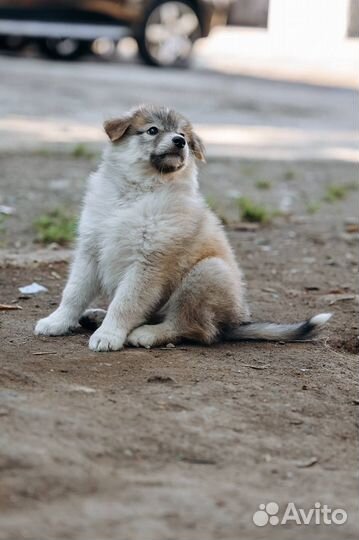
[[45, 103]]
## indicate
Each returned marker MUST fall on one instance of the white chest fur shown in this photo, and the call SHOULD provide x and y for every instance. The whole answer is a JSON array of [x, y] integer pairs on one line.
[[125, 230]]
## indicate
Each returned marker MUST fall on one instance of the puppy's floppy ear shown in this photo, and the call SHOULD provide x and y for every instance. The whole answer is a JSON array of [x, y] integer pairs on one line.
[[116, 128], [197, 147]]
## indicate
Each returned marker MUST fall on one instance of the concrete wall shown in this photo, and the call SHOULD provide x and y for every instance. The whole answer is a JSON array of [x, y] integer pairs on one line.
[[317, 25], [317, 20]]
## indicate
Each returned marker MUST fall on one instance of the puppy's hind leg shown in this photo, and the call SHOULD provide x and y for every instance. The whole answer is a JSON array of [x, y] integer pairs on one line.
[[154, 335], [91, 319], [208, 297]]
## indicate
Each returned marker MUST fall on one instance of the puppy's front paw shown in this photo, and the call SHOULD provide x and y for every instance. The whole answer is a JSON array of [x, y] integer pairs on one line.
[[107, 340], [53, 325]]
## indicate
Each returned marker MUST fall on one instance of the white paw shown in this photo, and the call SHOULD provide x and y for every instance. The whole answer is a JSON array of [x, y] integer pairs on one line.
[[107, 340], [143, 336], [53, 325]]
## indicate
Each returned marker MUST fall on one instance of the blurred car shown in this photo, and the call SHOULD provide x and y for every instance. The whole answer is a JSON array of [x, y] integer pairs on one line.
[[165, 30]]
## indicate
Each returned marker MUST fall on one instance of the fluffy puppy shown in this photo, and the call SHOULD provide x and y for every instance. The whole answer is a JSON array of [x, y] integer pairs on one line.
[[149, 242]]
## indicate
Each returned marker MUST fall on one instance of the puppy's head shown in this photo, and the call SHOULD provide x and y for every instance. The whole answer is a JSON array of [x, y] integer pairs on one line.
[[158, 137]]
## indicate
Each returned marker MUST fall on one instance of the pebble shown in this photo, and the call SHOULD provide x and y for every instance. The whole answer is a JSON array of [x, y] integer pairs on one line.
[[80, 388]]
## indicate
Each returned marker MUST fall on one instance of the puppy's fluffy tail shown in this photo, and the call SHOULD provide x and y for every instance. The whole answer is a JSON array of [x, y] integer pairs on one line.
[[277, 332]]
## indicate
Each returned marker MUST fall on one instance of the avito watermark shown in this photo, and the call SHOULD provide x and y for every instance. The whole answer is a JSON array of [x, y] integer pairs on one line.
[[318, 515]]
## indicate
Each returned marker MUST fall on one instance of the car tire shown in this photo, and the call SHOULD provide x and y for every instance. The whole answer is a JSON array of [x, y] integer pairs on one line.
[[13, 43], [154, 53], [63, 49]]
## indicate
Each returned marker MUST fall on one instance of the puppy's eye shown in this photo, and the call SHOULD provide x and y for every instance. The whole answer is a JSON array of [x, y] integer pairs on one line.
[[182, 135], [152, 130]]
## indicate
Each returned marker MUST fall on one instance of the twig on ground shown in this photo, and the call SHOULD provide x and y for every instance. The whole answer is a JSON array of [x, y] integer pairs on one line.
[[41, 353], [9, 307], [266, 366]]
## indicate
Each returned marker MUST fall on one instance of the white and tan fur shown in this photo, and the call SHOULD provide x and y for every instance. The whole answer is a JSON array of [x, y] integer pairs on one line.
[[149, 242]]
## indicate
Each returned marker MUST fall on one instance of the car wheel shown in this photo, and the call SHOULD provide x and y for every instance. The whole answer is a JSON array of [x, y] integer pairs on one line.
[[13, 43], [168, 31], [64, 49]]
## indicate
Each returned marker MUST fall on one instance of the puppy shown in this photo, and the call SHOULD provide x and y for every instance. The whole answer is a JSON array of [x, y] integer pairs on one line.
[[149, 242]]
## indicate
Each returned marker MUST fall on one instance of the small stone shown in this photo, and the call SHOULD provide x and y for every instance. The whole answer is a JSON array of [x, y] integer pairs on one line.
[[170, 346], [309, 463], [83, 389]]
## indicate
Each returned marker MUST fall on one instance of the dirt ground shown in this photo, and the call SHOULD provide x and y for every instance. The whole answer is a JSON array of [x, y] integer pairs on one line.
[[185, 442]]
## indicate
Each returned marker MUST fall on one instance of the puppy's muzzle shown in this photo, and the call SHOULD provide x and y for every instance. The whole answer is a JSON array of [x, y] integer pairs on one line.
[[173, 159]]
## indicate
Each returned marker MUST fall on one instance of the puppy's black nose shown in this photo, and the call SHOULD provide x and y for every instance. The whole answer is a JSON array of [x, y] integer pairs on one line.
[[179, 141]]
